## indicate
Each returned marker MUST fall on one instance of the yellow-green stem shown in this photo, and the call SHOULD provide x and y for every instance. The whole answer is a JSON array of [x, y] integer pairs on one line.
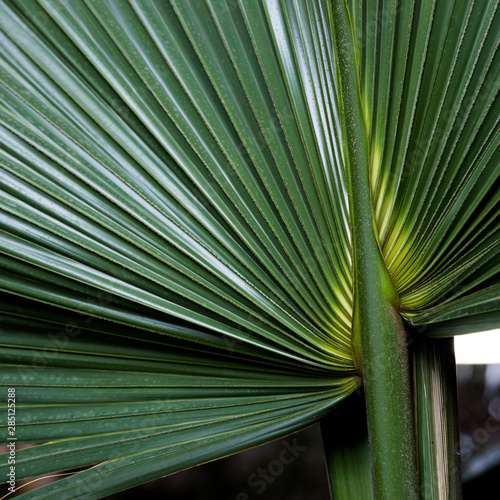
[[380, 345]]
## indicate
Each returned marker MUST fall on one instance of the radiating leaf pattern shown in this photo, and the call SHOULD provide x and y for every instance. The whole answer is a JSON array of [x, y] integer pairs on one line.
[[432, 112], [173, 186]]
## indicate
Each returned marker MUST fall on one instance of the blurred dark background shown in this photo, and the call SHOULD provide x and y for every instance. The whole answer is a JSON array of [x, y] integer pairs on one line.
[[258, 473], [479, 415]]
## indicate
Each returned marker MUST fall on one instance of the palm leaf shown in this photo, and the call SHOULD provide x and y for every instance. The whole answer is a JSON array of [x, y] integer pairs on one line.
[[116, 396], [180, 187], [436, 215]]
